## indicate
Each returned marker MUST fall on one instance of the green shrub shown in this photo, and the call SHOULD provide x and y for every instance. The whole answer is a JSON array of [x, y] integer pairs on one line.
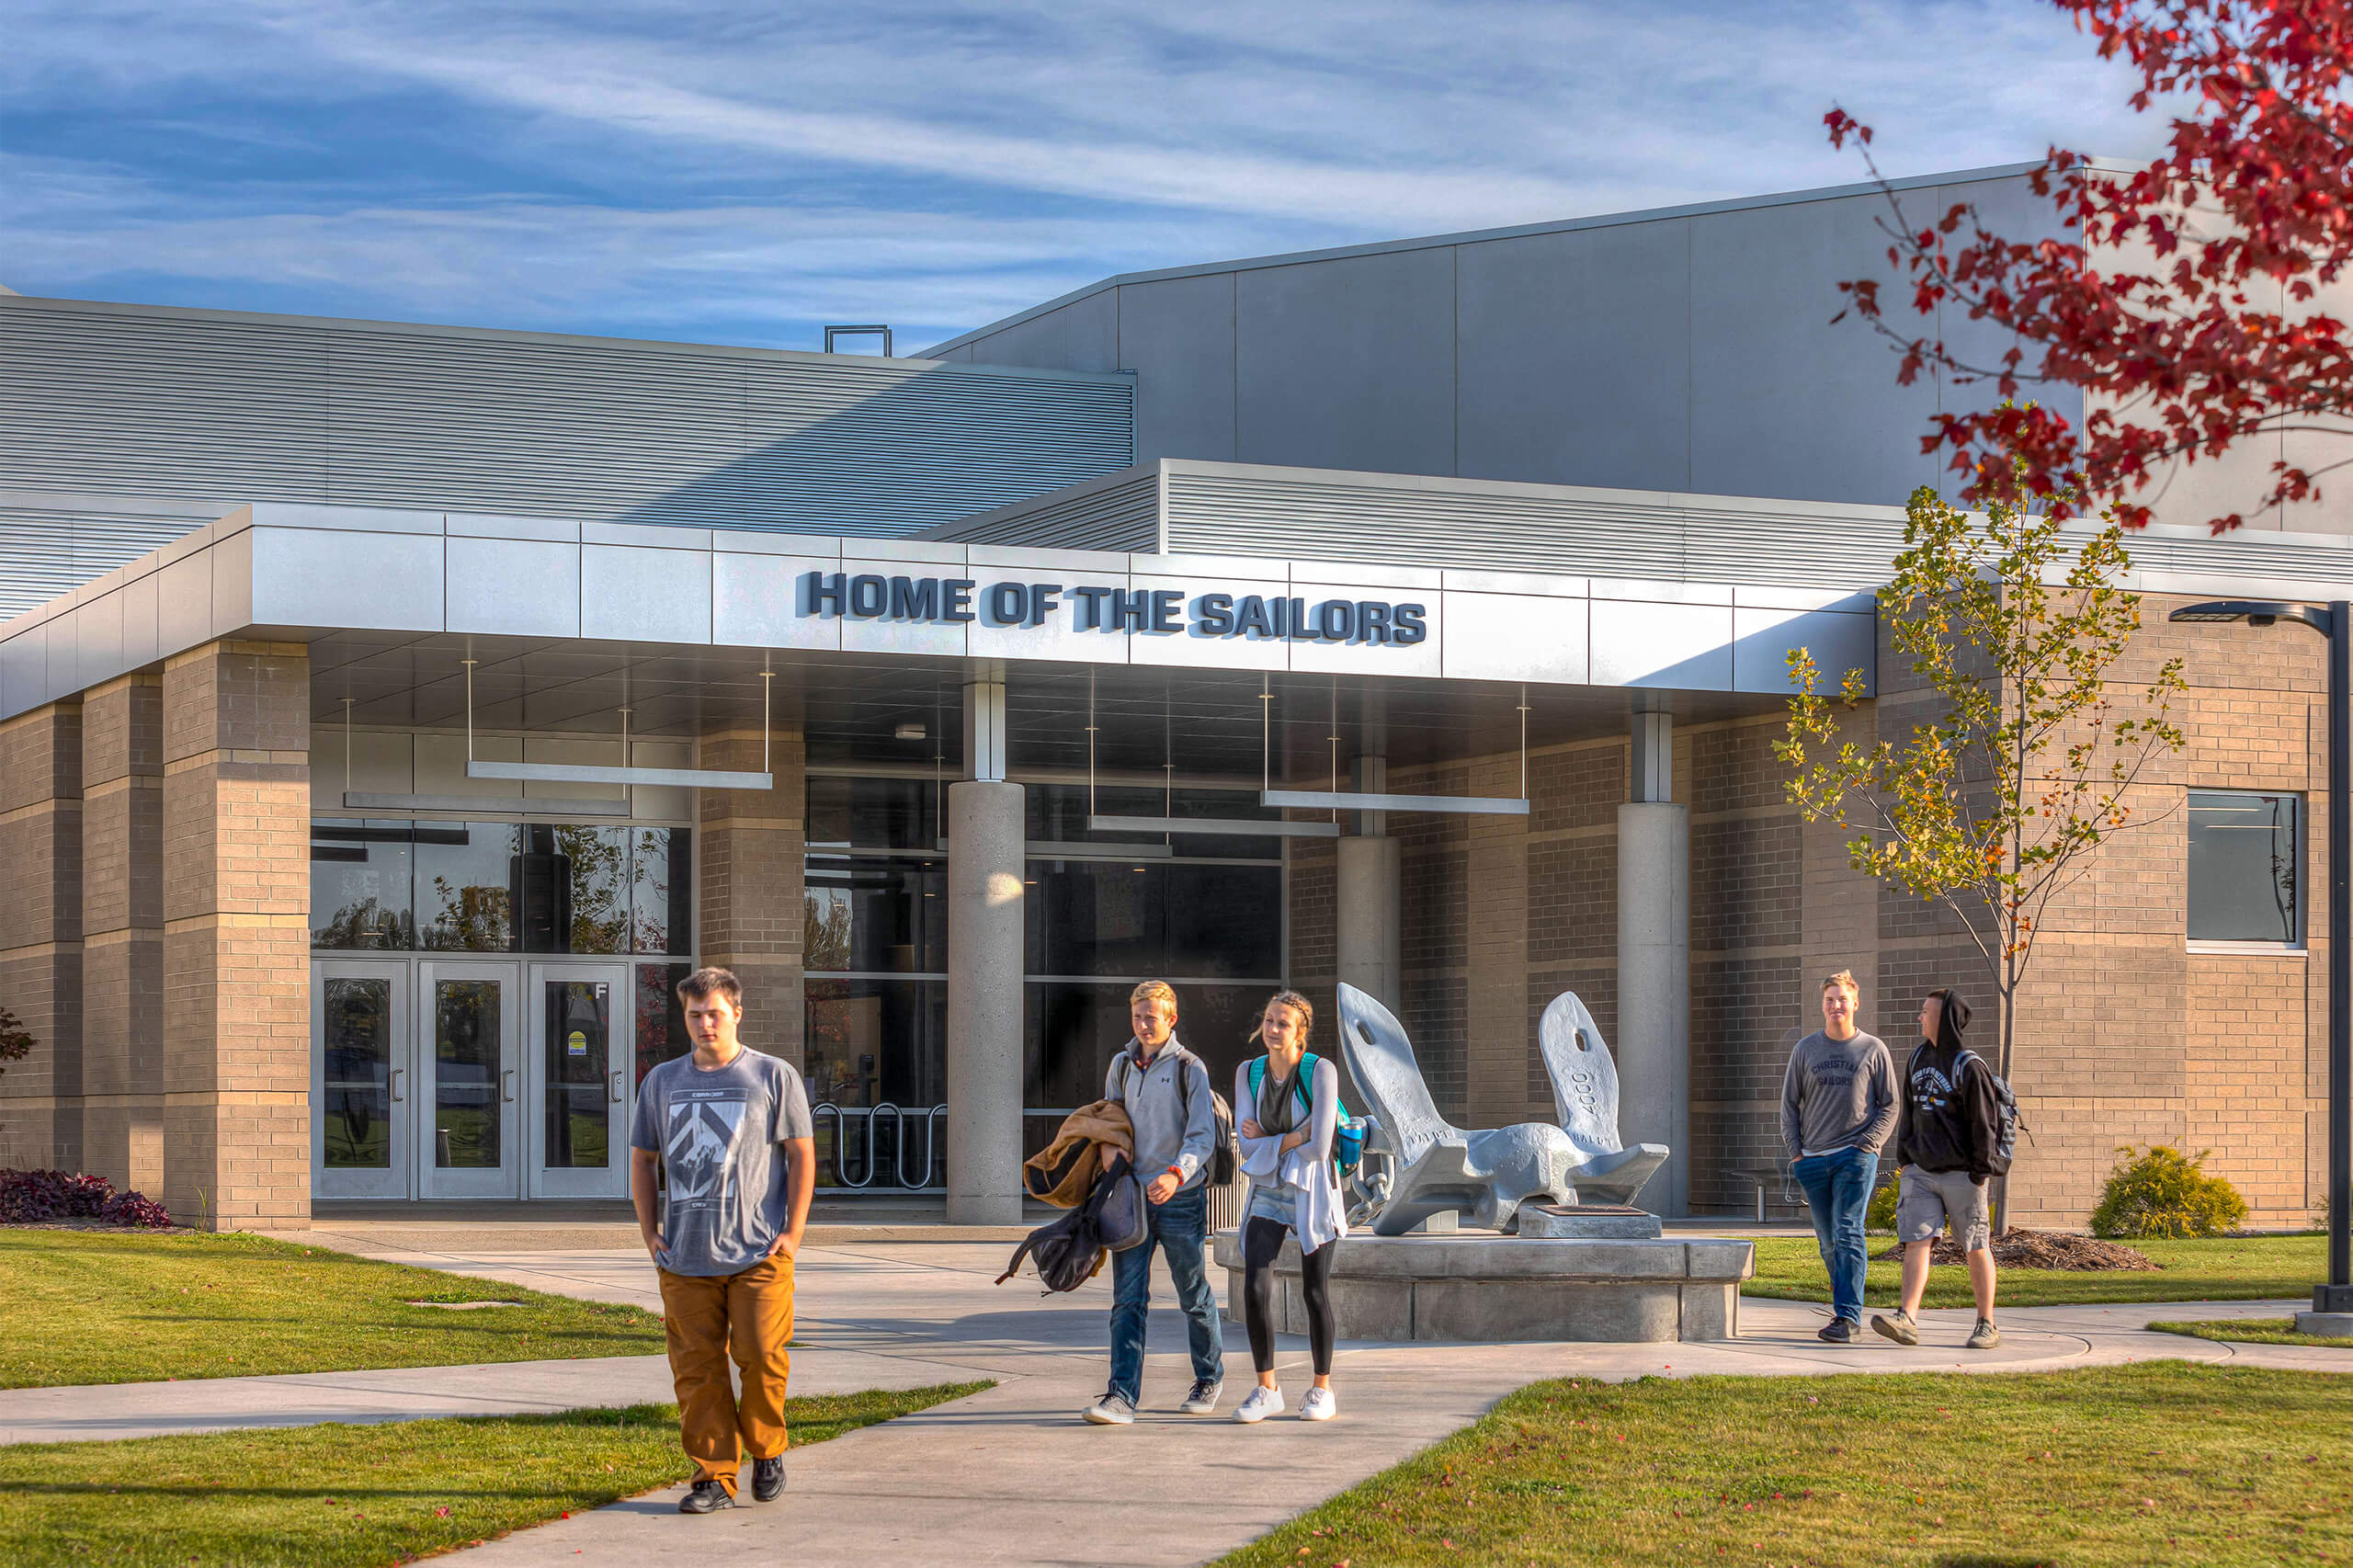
[[2162, 1193], [1880, 1215]]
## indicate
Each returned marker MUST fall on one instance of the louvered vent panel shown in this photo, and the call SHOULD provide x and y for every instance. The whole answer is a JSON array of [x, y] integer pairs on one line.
[[45, 552], [1119, 517]]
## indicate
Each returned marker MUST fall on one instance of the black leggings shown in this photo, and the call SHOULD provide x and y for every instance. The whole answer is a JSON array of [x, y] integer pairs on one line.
[[1262, 1240]]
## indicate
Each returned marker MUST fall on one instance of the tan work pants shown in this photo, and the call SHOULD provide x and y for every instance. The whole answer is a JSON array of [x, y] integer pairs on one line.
[[746, 1316]]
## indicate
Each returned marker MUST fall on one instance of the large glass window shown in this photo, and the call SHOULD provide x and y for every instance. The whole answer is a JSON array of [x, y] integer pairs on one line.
[[1202, 920], [359, 885], [661, 896], [873, 914], [872, 1041], [356, 1120], [474, 887], [462, 892], [875, 813], [661, 1020], [2246, 867]]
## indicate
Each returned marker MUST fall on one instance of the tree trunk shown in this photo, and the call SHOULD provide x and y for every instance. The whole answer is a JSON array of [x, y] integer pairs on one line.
[[2006, 1011]]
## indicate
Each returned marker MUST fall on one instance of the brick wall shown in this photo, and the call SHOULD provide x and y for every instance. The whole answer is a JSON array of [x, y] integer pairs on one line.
[[122, 901], [236, 892], [749, 883], [41, 934]]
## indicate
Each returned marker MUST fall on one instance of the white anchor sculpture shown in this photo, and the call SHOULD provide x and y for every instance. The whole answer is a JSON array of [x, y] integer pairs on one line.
[[1484, 1177]]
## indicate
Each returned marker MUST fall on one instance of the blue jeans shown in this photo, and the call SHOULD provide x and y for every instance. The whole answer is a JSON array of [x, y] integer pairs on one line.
[[1181, 1226], [1838, 1189]]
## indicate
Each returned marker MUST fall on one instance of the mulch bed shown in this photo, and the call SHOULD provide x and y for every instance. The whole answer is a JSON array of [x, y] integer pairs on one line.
[[2042, 1249]]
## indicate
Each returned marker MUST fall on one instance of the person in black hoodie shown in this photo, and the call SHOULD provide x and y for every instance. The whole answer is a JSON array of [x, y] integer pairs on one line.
[[1945, 1133]]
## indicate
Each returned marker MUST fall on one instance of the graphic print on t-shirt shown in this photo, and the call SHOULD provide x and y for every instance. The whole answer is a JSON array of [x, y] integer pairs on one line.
[[699, 1143]]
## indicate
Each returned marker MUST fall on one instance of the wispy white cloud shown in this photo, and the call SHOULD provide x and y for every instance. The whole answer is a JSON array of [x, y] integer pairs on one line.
[[539, 164]]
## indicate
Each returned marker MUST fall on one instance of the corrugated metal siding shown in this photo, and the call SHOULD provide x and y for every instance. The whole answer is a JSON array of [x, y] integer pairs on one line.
[[1328, 520], [1333, 519], [46, 551], [1117, 517], [166, 403]]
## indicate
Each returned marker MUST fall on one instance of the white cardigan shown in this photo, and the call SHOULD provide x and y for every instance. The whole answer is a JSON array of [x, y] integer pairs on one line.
[[1319, 1215]]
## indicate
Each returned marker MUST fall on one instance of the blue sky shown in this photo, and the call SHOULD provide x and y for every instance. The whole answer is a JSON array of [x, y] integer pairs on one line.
[[744, 173]]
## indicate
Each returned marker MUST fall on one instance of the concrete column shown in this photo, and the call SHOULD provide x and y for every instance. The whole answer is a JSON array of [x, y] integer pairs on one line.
[[748, 891], [1370, 919], [985, 839], [122, 939], [1653, 1042], [40, 934], [236, 935], [1370, 924]]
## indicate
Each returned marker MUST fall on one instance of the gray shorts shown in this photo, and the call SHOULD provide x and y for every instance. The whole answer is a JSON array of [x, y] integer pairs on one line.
[[1929, 1198]]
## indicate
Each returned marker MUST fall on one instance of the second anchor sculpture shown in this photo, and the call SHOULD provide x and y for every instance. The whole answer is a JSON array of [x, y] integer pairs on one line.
[[1485, 1175]]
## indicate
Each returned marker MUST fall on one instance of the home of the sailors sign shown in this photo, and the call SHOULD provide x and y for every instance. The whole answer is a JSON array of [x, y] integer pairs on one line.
[[945, 601]]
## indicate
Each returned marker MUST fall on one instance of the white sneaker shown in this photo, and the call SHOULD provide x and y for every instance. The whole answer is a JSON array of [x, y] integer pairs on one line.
[[1109, 1411], [1318, 1405], [1263, 1402]]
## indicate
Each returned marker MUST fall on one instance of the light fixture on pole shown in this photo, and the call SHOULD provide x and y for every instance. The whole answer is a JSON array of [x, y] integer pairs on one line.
[[2332, 1302]]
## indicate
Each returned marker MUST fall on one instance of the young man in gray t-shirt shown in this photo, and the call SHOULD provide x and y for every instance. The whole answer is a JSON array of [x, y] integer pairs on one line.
[[731, 1127], [1838, 1104]]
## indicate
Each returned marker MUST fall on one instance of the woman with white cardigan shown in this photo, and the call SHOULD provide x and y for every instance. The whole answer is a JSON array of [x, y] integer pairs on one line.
[[1286, 1135]]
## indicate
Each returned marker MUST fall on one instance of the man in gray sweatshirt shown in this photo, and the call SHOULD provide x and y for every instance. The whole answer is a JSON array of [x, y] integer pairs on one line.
[[1166, 1091], [1839, 1100]]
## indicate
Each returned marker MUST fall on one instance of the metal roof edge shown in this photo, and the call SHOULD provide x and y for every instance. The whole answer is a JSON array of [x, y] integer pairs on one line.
[[916, 363], [1859, 511], [1149, 467], [1509, 231]]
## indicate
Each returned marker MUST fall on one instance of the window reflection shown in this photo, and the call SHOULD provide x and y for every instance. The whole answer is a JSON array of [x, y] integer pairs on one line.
[[662, 882], [462, 892], [661, 1020], [359, 885], [1148, 918], [2243, 865], [870, 914]]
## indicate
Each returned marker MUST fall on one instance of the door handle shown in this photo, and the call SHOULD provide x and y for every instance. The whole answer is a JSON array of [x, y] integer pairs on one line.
[[507, 1086], [396, 1083], [617, 1089]]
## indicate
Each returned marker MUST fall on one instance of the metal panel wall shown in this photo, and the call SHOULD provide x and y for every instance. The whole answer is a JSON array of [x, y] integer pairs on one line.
[[150, 401]]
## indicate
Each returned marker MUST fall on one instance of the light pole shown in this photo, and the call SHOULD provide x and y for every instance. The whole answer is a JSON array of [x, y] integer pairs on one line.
[[2332, 1302]]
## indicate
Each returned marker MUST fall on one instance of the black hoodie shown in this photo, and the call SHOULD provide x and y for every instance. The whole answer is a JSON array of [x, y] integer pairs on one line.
[[1944, 1125]]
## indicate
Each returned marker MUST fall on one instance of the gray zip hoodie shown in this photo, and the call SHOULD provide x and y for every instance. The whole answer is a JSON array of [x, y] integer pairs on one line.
[[1172, 1126]]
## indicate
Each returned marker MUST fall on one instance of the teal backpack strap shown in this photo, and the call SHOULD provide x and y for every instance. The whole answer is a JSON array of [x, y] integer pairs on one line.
[[1258, 1077], [1304, 1083]]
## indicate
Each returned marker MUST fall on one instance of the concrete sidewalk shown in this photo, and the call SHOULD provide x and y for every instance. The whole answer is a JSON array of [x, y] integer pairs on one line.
[[1011, 1476]]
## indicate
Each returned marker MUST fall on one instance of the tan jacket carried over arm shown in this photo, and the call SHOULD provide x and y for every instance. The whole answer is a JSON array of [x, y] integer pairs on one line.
[[1063, 1172]]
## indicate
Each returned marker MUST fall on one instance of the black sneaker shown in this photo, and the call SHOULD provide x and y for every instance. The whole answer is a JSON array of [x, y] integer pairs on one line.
[[1838, 1331], [707, 1496], [768, 1479]]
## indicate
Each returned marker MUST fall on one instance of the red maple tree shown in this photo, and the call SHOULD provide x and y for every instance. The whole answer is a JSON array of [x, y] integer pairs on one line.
[[2202, 330]]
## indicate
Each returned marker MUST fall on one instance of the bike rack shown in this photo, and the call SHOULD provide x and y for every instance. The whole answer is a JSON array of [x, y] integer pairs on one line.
[[928, 1117]]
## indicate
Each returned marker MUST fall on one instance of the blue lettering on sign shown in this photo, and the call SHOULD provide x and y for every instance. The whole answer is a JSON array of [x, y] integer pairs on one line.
[[1152, 612]]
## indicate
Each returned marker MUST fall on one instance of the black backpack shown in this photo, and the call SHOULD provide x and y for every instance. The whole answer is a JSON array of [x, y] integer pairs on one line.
[[2006, 1111], [1069, 1251]]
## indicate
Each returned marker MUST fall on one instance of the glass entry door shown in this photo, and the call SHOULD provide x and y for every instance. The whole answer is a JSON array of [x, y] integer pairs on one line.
[[469, 1080], [364, 1127], [575, 1105]]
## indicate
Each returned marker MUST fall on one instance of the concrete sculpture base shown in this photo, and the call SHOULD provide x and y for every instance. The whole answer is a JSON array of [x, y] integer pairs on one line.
[[1486, 1287]]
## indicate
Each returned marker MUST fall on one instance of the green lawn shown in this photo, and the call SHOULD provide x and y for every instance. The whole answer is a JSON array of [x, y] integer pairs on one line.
[[341, 1496], [2254, 1331], [104, 1307], [2160, 1462], [2227, 1269]]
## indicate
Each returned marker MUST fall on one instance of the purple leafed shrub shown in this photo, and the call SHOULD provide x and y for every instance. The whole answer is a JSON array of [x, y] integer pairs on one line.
[[33, 1195]]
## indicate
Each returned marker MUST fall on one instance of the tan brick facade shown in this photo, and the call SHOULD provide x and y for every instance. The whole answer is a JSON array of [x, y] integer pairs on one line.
[[748, 885], [122, 937], [41, 934], [236, 730]]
